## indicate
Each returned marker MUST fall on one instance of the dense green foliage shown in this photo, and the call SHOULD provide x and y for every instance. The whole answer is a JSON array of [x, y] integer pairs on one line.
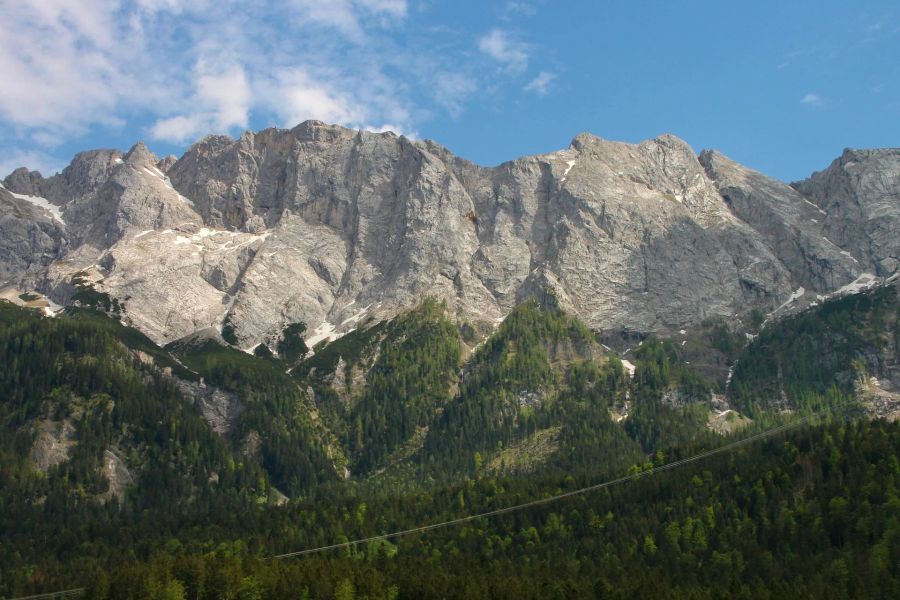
[[539, 408], [408, 383], [812, 360], [543, 375], [274, 408], [318, 371], [76, 374], [132, 339], [291, 347], [658, 370], [813, 514]]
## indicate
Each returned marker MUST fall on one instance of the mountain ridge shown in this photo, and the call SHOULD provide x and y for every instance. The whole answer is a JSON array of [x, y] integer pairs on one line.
[[325, 226]]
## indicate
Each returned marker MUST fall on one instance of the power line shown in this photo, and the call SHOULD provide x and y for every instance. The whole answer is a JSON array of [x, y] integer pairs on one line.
[[557, 497], [60, 594], [516, 507]]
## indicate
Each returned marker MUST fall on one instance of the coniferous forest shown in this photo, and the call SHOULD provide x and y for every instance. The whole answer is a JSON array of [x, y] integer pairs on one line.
[[113, 479]]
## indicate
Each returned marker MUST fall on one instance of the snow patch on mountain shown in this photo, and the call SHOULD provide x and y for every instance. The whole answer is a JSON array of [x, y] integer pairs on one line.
[[41, 203]]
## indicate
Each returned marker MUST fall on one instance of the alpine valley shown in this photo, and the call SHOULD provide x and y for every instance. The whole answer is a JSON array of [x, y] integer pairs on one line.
[[306, 337]]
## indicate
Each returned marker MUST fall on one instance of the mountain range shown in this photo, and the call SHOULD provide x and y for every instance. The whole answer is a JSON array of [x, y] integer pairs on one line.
[[326, 227], [309, 336]]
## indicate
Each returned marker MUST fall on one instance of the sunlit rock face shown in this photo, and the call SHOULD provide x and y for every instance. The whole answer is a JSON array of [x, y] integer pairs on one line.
[[329, 226]]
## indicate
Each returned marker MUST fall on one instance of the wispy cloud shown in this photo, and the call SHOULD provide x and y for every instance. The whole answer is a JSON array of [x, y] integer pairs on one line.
[[174, 70], [871, 32], [813, 100], [347, 15], [58, 54], [503, 48], [35, 159], [540, 85], [221, 102], [518, 8], [297, 96], [453, 90], [79, 64]]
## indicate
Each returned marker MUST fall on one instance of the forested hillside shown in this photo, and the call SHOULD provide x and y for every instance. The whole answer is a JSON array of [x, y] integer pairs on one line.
[[173, 472], [817, 358], [812, 514]]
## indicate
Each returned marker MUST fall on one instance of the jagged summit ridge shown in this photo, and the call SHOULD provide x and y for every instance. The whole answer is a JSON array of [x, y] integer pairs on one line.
[[860, 191], [327, 225]]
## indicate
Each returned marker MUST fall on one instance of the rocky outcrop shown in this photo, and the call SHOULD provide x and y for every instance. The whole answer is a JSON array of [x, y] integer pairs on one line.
[[30, 238], [52, 444], [373, 220], [219, 408], [117, 475], [84, 175], [789, 223], [325, 225], [859, 196]]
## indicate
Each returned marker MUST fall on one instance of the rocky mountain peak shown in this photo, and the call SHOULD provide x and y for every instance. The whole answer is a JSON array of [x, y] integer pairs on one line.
[[583, 140], [140, 156], [328, 226], [317, 131], [859, 194], [23, 181], [166, 163]]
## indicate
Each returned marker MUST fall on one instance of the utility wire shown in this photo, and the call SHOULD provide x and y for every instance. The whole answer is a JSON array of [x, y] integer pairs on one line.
[[60, 594], [516, 507], [557, 497]]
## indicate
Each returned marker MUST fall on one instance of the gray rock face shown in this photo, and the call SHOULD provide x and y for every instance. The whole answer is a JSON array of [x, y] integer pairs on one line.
[[103, 194], [219, 408], [117, 475], [30, 238], [326, 225], [52, 444], [860, 196], [87, 172], [789, 223]]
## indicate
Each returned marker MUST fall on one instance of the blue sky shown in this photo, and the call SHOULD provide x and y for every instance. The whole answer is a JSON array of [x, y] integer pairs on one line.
[[782, 86]]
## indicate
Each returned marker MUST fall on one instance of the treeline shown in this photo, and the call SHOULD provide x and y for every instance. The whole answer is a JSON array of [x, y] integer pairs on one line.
[[275, 410], [810, 361], [409, 382]]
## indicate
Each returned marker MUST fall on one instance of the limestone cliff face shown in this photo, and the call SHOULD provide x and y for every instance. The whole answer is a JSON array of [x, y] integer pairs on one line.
[[31, 237], [859, 196], [785, 221], [327, 225]]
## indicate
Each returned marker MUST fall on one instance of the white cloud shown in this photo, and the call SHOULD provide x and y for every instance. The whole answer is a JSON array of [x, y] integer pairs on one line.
[[393, 8], [397, 129], [228, 95], [154, 6], [813, 100], [176, 70], [79, 64], [540, 85], [180, 128], [54, 60], [296, 97], [513, 8], [221, 100], [32, 159], [452, 90], [346, 15], [501, 47]]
